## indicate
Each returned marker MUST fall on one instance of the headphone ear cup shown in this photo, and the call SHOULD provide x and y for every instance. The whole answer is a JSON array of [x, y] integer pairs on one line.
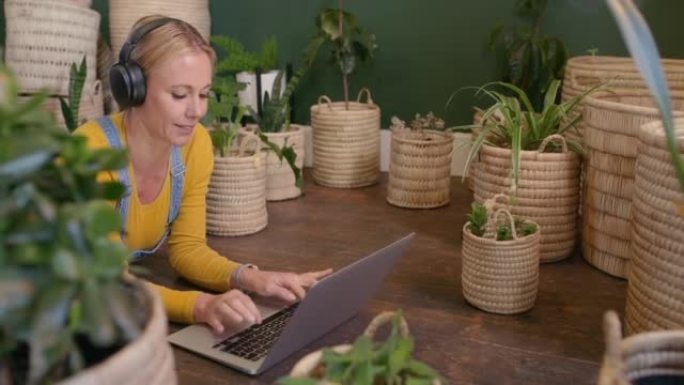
[[121, 85], [138, 86]]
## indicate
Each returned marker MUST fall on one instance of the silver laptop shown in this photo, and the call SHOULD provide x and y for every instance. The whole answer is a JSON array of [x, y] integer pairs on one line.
[[284, 330]]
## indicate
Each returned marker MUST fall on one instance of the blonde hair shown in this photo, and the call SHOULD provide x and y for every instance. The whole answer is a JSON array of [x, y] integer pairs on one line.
[[166, 41]]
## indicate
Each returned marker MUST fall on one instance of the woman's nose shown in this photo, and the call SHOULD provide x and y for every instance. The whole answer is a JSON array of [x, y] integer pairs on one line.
[[193, 108]]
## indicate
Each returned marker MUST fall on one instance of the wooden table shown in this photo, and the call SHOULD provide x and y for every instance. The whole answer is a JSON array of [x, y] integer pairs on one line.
[[559, 341]]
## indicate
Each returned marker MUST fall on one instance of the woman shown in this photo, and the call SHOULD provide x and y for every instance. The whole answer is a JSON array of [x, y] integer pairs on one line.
[[162, 82]]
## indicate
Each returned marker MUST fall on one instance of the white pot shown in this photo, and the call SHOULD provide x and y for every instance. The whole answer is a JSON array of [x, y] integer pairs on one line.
[[248, 96]]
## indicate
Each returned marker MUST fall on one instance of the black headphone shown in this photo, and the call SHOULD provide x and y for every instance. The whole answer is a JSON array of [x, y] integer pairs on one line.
[[126, 77]]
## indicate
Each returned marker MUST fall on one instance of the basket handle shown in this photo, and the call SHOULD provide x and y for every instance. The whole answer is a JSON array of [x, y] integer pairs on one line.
[[492, 220], [325, 99], [383, 318], [555, 138], [364, 90], [612, 371], [574, 82], [246, 141]]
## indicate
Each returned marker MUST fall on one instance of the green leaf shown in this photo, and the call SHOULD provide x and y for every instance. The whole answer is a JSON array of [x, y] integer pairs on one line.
[[65, 265], [100, 220], [296, 381], [123, 311], [96, 315]]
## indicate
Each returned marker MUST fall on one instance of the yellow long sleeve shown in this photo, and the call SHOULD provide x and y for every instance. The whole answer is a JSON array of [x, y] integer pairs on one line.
[[189, 254]]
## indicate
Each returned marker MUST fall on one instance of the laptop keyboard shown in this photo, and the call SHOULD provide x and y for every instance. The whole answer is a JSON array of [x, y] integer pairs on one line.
[[253, 343]]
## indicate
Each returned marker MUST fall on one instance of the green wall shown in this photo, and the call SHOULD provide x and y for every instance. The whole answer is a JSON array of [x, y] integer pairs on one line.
[[428, 48]]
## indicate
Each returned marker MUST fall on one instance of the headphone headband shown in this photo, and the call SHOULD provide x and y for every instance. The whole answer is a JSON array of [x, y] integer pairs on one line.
[[137, 34]]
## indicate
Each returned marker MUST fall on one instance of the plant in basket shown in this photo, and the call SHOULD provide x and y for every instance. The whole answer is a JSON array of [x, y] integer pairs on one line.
[[66, 303], [366, 362], [500, 259], [420, 162], [351, 44]]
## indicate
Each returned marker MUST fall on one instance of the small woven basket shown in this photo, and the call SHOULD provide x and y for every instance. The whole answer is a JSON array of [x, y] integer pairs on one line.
[[655, 290], [124, 13], [500, 276], [280, 180], [346, 142], [641, 356], [44, 38], [236, 199], [548, 191], [420, 169]]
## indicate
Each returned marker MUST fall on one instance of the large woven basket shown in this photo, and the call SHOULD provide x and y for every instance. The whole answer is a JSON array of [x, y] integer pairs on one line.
[[420, 169], [500, 276], [148, 360], [612, 122], [656, 356], [472, 171], [655, 291], [236, 200], [307, 365], [548, 192], [584, 72], [91, 107], [280, 180], [124, 13], [346, 142], [44, 37]]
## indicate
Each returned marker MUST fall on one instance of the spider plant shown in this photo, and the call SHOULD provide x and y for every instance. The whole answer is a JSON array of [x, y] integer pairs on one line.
[[511, 122], [643, 49]]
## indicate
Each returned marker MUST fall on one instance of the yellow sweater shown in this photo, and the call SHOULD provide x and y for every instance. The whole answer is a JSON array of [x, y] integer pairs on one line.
[[189, 254]]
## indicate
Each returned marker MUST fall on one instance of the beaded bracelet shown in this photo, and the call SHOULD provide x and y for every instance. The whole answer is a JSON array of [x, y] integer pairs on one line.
[[236, 274]]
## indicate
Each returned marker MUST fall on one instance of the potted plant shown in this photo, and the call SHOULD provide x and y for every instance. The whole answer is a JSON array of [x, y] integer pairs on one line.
[[255, 70], [366, 362], [420, 163], [658, 200], [524, 153], [69, 312], [526, 58], [500, 264], [346, 135], [284, 181], [236, 197]]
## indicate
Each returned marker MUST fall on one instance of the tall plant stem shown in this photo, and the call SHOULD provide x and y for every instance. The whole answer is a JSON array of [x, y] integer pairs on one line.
[[340, 25]]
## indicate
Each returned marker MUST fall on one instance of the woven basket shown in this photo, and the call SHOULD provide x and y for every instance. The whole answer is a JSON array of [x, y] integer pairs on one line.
[[124, 13], [44, 37], [655, 291], [346, 142], [236, 199], [472, 171], [148, 360], [611, 126], [280, 180], [500, 276], [584, 72], [91, 106], [308, 364], [641, 356], [548, 192], [420, 169]]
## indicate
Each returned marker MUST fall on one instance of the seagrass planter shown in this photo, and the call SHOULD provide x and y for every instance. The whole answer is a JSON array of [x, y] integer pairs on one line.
[[547, 194], [656, 356], [420, 169], [655, 286], [346, 142], [44, 37], [147, 360], [611, 128], [124, 13], [280, 180], [236, 198], [618, 73], [472, 171], [500, 276]]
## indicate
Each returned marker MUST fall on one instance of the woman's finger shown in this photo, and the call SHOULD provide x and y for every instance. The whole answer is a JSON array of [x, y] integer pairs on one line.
[[308, 279], [228, 314]]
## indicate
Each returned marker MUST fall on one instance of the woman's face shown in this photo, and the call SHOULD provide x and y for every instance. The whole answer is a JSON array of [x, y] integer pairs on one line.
[[177, 96]]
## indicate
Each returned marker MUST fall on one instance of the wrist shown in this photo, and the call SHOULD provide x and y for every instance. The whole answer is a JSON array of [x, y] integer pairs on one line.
[[238, 278], [200, 305]]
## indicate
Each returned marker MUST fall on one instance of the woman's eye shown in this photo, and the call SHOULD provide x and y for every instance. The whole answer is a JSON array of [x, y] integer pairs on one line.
[[177, 96], [204, 96]]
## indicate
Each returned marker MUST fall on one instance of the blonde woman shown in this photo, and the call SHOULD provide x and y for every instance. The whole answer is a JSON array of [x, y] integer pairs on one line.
[[162, 83]]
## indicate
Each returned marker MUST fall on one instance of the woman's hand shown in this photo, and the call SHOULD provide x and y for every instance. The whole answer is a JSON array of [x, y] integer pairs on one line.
[[285, 286], [230, 309]]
